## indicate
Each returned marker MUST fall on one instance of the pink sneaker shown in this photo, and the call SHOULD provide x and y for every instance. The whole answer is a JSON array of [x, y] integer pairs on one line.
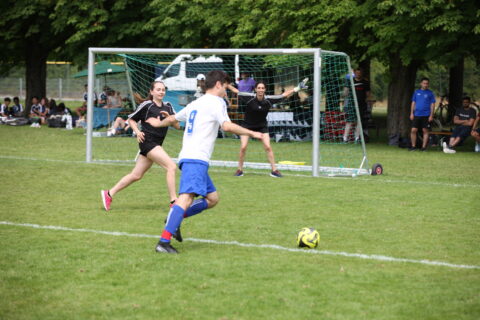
[[107, 200]]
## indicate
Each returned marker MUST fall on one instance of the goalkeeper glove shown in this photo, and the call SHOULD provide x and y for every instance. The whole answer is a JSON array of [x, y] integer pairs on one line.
[[301, 86]]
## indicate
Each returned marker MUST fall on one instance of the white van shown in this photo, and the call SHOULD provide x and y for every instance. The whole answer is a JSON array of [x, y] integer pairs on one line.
[[180, 77]]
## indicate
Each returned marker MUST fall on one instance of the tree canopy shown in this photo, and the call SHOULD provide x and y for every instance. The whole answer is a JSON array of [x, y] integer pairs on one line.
[[402, 34]]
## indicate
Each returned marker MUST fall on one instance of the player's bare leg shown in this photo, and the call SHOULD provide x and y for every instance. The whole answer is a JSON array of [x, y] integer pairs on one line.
[[243, 151], [141, 166], [268, 150], [160, 157]]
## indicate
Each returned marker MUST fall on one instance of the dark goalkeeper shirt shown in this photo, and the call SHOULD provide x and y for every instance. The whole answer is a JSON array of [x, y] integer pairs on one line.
[[149, 109], [256, 111]]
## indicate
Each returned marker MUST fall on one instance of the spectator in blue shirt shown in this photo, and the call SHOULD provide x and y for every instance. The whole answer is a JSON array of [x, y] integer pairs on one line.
[[421, 114]]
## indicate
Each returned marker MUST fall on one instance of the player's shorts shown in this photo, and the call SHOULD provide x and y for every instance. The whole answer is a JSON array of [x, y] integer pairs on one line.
[[149, 143], [195, 178], [461, 132], [350, 114], [262, 129], [421, 122]]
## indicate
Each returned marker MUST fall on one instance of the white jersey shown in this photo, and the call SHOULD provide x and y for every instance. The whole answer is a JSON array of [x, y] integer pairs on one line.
[[203, 118], [3, 109]]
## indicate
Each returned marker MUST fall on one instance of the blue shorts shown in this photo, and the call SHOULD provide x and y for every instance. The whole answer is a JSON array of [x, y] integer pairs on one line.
[[461, 131], [195, 178]]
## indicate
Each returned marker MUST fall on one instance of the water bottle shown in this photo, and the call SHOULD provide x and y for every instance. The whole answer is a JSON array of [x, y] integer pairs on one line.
[[69, 122], [68, 118]]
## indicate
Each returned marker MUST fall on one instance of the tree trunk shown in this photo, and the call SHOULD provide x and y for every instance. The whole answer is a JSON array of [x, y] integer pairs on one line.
[[400, 90], [35, 74], [455, 88]]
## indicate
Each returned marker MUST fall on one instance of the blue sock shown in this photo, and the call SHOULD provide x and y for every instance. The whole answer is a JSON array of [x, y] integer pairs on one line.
[[197, 206], [175, 217]]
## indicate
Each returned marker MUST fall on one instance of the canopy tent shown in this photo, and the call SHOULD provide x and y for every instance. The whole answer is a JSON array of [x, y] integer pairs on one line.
[[101, 68]]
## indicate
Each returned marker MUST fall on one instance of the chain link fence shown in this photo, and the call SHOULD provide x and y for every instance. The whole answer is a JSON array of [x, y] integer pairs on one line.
[[62, 88]]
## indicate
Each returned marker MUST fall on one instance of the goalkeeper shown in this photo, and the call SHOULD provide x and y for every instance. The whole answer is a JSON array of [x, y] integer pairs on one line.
[[258, 104]]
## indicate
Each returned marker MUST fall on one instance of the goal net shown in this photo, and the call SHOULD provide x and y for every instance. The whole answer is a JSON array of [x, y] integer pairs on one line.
[[312, 132]]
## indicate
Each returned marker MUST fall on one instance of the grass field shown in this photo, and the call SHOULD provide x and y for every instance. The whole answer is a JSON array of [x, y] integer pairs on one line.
[[425, 208]]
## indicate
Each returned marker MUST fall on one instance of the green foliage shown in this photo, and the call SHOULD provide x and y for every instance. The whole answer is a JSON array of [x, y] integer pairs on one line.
[[423, 31]]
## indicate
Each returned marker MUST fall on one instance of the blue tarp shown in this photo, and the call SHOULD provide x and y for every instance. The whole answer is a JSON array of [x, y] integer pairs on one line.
[[102, 117]]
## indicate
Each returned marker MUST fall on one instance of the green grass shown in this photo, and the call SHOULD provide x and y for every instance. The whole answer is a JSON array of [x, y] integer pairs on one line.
[[425, 206]]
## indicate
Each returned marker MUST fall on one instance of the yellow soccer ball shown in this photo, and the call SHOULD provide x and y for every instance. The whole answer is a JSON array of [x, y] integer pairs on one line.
[[308, 238]]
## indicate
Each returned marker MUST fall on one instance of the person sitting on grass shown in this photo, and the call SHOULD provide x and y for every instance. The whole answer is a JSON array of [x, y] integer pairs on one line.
[[82, 110], [102, 101], [464, 119], [17, 109], [38, 113], [476, 132], [120, 126], [4, 107]]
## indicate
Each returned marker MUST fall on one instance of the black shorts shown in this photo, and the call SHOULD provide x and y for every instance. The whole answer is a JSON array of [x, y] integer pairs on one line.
[[262, 129], [421, 122], [461, 132], [149, 143], [350, 114]]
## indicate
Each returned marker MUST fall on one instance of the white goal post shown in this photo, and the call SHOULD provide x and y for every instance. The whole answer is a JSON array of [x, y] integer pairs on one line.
[[316, 168]]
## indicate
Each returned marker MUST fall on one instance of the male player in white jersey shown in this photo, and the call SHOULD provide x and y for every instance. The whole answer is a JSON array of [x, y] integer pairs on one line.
[[202, 117]]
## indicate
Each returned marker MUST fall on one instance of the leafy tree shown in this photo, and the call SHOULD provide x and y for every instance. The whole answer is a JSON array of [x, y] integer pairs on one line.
[[406, 35], [26, 40], [33, 31]]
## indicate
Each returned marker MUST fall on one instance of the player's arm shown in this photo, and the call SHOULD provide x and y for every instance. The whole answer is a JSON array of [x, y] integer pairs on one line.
[[470, 121], [302, 85], [233, 89], [169, 120], [139, 134], [241, 131], [457, 121], [176, 125]]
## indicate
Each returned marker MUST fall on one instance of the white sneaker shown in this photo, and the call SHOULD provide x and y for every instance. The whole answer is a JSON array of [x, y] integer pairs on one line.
[[448, 150], [444, 145], [477, 147], [33, 125]]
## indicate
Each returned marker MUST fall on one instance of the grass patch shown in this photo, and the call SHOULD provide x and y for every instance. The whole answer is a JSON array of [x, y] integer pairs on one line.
[[425, 206]]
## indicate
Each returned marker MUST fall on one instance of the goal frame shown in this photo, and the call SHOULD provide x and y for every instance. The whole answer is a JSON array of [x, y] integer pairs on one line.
[[317, 65]]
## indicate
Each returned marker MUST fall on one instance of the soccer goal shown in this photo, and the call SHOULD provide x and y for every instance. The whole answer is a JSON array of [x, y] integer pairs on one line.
[[307, 130]]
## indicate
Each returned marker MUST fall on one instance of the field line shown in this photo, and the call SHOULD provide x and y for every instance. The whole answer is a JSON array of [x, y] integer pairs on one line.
[[214, 169], [251, 245]]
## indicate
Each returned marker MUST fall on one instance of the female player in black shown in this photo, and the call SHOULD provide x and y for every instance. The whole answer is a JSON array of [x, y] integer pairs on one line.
[[150, 141], [258, 105]]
